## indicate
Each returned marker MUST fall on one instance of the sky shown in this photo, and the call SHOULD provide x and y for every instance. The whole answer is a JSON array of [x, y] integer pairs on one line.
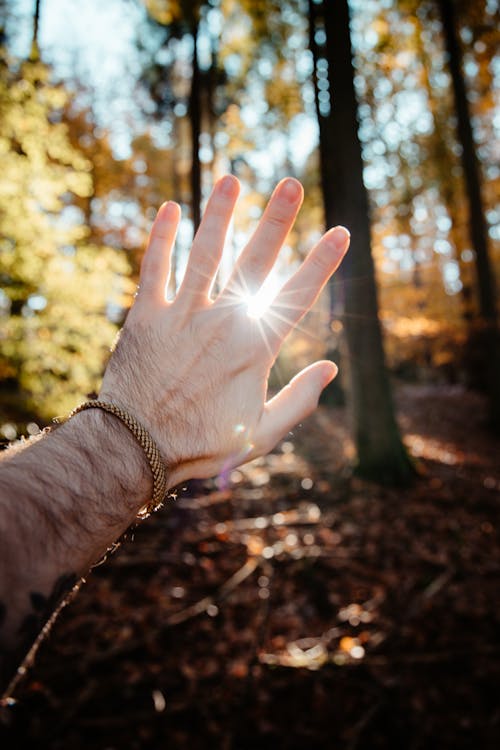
[[91, 40], [98, 45]]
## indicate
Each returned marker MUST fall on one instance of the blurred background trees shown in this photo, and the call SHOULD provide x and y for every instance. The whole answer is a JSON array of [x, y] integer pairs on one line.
[[60, 285], [103, 119]]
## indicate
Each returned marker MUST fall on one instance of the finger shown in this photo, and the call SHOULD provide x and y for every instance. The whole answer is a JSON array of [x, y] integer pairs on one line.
[[155, 266], [208, 244], [293, 404], [303, 288], [259, 255]]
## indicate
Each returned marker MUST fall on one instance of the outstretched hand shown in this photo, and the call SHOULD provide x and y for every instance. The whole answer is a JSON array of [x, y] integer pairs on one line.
[[194, 371]]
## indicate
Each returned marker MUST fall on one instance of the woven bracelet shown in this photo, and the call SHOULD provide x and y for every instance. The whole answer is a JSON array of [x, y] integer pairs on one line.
[[156, 463]]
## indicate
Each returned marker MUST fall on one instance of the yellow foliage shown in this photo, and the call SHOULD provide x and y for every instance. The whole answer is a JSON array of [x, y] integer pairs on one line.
[[56, 334], [168, 12]]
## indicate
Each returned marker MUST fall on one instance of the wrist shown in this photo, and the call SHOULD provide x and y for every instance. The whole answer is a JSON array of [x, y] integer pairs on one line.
[[144, 439], [116, 457]]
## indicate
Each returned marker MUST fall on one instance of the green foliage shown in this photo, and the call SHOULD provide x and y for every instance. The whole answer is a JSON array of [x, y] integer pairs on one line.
[[56, 285]]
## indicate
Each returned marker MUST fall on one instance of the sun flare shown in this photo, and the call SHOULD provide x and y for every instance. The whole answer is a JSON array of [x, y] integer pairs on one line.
[[258, 304]]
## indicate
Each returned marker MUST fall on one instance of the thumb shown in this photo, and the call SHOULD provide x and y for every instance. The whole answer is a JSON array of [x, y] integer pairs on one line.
[[293, 403]]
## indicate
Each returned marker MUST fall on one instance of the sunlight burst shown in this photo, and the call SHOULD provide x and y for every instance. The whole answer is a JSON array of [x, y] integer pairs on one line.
[[258, 304]]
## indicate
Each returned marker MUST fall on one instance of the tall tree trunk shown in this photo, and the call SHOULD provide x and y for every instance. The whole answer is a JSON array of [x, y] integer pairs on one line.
[[381, 455], [334, 393], [211, 89], [477, 223], [195, 121]]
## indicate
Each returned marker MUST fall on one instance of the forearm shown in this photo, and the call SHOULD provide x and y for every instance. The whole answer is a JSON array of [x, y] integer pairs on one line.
[[64, 499]]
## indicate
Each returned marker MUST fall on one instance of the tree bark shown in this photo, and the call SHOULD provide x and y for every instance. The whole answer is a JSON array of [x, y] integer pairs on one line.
[[195, 121], [334, 393], [380, 452], [477, 223]]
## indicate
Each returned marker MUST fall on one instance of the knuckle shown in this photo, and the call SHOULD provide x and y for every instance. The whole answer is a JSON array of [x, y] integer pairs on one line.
[[218, 209], [255, 266], [150, 269], [320, 262], [277, 220], [200, 268], [215, 215], [203, 265]]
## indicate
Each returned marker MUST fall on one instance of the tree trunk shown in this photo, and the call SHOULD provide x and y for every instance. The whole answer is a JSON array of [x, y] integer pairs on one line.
[[477, 224], [381, 455], [334, 393], [211, 89], [195, 121]]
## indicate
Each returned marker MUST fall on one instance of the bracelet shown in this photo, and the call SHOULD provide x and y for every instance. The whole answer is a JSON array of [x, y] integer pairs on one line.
[[156, 463]]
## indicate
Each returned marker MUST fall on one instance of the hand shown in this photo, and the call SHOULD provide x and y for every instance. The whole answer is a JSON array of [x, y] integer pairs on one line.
[[194, 371]]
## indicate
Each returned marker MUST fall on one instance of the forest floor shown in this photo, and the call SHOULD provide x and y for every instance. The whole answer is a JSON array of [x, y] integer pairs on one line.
[[294, 606]]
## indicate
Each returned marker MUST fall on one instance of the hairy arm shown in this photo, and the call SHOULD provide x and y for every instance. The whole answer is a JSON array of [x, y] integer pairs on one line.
[[65, 497], [193, 372]]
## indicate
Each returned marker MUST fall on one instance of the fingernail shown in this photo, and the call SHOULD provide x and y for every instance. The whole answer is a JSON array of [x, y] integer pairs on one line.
[[227, 185], [339, 237], [330, 375], [291, 190], [169, 209]]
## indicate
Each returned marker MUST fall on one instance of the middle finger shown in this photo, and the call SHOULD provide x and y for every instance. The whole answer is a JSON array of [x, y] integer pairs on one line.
[[258, 257]]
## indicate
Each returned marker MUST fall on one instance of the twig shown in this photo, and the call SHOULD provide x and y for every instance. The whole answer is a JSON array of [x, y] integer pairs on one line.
[[201, 606], [360, 727], [430, 592]]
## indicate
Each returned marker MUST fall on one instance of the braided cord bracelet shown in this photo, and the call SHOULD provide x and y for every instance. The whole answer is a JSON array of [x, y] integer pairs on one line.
[[156, 463]]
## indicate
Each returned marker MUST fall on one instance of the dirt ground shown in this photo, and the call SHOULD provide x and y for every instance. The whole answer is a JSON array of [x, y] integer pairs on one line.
[[292, 605]]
